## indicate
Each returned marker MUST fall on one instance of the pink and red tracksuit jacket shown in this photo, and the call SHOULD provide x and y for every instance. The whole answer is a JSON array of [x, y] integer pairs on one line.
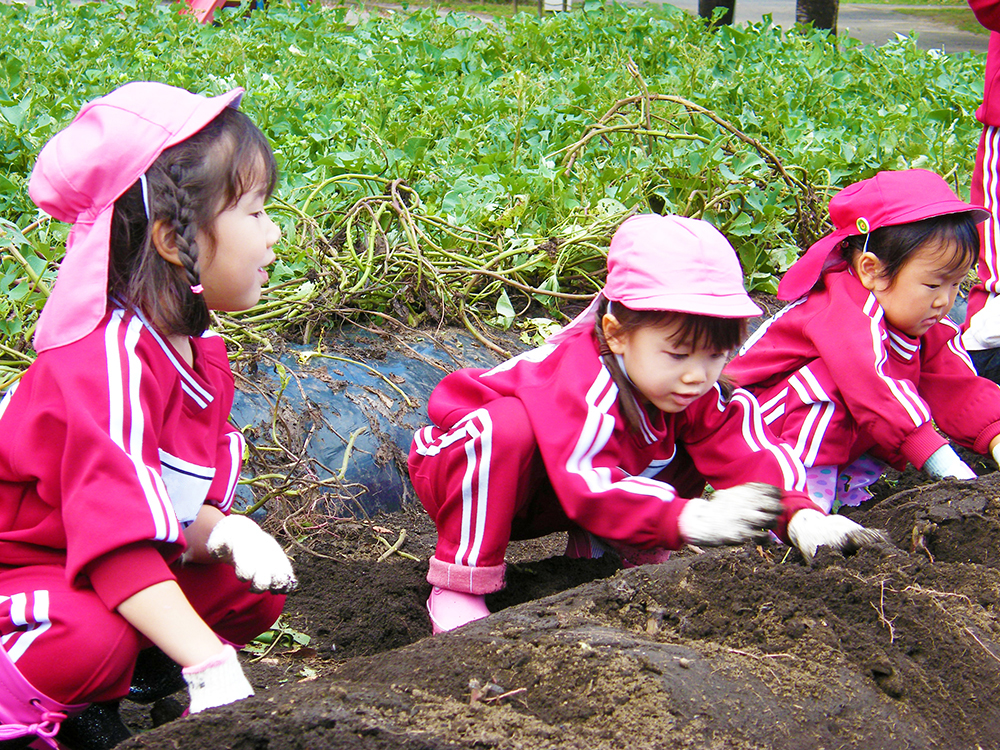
[[835, 381], [110, 445]]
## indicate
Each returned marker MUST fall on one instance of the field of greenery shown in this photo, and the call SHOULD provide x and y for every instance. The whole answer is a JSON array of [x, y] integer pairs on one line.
[[440, 168]]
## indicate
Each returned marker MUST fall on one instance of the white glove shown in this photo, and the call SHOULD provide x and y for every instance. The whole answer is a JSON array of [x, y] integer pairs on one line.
[[216, 681], [944, 462], [996, 454], [255, 554], [810, 529], [733, 516]]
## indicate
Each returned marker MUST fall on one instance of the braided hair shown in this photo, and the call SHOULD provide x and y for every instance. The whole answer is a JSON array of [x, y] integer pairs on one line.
[[187, 187]]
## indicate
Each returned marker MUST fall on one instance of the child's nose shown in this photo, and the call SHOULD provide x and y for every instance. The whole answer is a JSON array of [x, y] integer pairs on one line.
[[274, 232], [695, 373]]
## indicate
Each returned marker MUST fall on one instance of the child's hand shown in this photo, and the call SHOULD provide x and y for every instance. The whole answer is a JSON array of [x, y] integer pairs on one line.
[[944, 462], [217, 681], [809, 530], [733, 516], [255, 554]]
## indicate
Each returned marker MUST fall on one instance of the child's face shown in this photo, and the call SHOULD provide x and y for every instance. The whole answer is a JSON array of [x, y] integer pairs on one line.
[[670, 374], [232, 272], [922, 292]]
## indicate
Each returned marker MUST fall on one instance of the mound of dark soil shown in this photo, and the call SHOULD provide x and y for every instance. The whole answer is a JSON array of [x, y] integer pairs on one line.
[[894, 647], [949, 521]]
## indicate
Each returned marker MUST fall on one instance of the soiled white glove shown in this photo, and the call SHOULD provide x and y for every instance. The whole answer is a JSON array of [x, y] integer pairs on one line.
[[733, 516], [216, 681], [809, 530], [255, 554], [944, 462]]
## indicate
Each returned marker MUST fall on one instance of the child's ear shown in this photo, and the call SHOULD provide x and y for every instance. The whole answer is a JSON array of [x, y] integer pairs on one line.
[[613, 333], [869, 270], [163, 241]]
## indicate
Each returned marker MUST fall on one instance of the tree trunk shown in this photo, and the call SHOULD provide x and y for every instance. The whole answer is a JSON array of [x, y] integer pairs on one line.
[[707, 7], [822, 14]]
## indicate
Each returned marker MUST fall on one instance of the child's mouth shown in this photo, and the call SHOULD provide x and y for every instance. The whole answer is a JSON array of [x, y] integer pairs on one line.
[[685, 399]]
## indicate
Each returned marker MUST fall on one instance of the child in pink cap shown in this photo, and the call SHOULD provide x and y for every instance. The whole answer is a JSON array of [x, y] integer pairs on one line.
[[610, 430], [856, 371], [118, 552]]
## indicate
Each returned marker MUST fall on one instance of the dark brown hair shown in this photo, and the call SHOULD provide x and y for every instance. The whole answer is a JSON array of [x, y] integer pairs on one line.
[[699, 331], [188, 186], [893, 245]]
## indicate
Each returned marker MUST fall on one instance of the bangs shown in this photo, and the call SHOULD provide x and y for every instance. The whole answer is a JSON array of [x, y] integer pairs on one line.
[[254, 166], [962, 236], [894, 244], [244, 156], [698, 331], [709, 332]]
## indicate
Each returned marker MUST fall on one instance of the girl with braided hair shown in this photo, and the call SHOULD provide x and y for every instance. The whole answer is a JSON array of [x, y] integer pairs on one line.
[[122, 570]]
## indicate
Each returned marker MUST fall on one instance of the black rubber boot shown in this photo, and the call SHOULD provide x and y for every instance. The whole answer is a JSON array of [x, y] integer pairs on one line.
[[100, 727], [17, 744], [156, 676], [166, 710]]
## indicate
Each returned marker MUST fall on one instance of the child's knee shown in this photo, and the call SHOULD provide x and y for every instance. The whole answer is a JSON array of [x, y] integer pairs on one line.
[[253, 614], [226, 603], [501, 428], [511, 429], [89, 661]]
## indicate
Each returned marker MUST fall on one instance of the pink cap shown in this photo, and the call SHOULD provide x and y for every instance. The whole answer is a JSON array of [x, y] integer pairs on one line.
[[672, 263], [85, 168], [886, 199], [676, 263]]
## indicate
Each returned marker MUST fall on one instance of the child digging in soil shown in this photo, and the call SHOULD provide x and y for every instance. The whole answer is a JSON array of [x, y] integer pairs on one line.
[[118, 466], [610, 430], [853, 371]]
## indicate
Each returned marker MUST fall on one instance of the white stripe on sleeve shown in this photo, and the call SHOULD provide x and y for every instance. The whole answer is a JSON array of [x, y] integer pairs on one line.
[[912, 404]]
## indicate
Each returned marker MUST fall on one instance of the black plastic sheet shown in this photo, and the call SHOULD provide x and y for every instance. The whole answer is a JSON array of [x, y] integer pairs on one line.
[[362, 385]]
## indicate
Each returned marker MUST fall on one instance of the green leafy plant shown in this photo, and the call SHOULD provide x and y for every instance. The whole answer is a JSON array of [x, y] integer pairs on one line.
[[443, 168], [279, 635]]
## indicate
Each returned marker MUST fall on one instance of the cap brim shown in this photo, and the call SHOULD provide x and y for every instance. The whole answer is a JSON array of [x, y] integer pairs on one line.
[[942, 208], [204, 113], [714, 306]]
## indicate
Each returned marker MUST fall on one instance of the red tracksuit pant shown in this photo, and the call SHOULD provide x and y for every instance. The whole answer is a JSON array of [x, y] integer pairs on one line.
[[484, 483], [72, 648], [986, 192]]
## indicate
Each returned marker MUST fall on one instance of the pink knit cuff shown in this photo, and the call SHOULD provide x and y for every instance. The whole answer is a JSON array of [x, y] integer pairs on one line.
[[983, 440], [466, 578], [211, 662], [921, 443]]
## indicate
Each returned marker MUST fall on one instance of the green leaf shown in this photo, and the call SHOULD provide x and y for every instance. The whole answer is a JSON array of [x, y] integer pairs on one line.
[[15, 115]]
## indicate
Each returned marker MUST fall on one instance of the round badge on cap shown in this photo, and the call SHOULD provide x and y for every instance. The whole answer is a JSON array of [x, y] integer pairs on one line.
[[863, 226]]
